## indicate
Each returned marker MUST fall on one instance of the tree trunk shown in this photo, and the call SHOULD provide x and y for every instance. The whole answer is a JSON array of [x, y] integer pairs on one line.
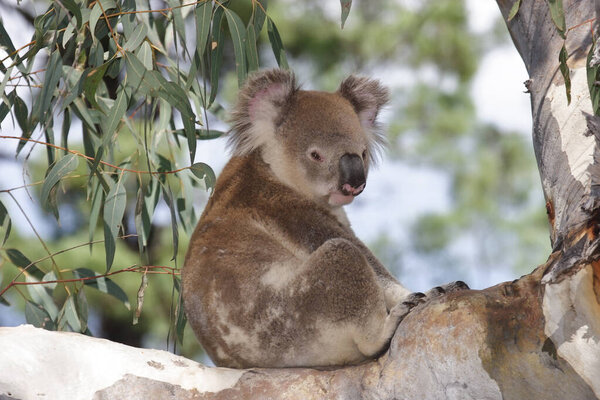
[[535, 338]]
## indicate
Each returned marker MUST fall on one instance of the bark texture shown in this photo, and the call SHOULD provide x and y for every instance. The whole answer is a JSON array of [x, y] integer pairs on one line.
[[537, 337]]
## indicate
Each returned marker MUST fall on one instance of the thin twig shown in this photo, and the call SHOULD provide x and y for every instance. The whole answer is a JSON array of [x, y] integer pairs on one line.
[[79, 154], [146, 269]]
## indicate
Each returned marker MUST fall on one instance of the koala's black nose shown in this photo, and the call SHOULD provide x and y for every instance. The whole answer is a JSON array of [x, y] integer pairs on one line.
[[352, 174]]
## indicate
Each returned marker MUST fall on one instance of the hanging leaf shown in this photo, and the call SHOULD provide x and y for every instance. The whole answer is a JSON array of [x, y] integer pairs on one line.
[[42, 110], [5, 223], [23, 263], [202, 13], [177, 20], [103, 284], [181, 319], [38, 317], [117, 111], [91, 82], [81, 306], [56, 172], [564, 70], [66, 127], [238, 36], [7, 45], [21, 113], [276, 44], [70, 314], [97, 198], [143, 215], [206, 173], [114, 209], [216, 53], [251, 51], [42, 293], [593, 77], [203, 134], [514, 10], [557, 12], [259, 14], [144, 54], [73, 8], [346, 5], [168, 196], [136, 38], [140, 298]]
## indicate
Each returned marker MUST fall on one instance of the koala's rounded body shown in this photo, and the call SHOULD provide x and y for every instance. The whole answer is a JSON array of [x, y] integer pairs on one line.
[[274, 275]]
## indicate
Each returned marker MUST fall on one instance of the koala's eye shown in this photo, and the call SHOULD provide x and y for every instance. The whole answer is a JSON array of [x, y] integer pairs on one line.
[[364, 155], [316, 156]]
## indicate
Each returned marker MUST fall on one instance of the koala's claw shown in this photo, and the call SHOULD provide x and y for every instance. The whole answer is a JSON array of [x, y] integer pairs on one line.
[[456, 286], [436, 292]]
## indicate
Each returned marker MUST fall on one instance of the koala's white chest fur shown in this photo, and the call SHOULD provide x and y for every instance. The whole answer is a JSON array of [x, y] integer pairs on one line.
[[274, 276]]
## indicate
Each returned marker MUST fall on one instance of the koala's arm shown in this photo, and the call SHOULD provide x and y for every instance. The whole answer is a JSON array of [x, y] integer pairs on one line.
[[393, 290]]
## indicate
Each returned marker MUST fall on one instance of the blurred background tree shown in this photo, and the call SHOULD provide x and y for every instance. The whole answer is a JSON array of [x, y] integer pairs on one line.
[[491, 219]]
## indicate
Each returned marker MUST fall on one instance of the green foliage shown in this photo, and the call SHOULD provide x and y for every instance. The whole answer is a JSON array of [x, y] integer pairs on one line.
[[135, 82]]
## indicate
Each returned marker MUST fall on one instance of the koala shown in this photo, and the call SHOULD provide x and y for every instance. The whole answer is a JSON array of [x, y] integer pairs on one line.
[[274, 275]]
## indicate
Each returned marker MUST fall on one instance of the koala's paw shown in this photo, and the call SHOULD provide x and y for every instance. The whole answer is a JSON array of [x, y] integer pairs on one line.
[[401, 310], [447, 288], [414, 299]]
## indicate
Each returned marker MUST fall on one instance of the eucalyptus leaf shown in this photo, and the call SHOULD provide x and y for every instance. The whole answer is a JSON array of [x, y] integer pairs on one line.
[[202, 13], [42, 105], [81, 306], [564, 70], [277, 44], [216, 53], [137, 37], [75, 9], [114, 209], [144, 54], [251, 51], [346, 5], [22, 262], [103, 284], [5, 223], [59, 170], [593, 76], [205, 172], [168, 196], [557, 12], [21, 113], [66, 127], [69, 312], [37, 316], [97, 200], [514, 10], [259, 15], [111, 123], [42, 294], [238, 36], [91, 82]]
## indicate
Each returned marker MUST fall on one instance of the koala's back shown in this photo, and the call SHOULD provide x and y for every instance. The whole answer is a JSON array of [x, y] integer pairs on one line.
[[247, 293]]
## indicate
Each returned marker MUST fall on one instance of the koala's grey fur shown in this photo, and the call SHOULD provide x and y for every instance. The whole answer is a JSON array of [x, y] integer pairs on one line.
[[274, 275]]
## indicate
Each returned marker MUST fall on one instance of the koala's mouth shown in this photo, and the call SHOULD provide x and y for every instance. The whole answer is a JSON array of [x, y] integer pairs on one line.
[[345, 195]]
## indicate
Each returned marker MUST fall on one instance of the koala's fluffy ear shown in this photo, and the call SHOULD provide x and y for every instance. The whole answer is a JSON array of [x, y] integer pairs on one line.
[[259, 109], [367, 96]]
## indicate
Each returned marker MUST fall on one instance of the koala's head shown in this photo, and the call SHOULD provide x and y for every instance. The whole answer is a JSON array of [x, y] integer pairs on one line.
[[321, 144]]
